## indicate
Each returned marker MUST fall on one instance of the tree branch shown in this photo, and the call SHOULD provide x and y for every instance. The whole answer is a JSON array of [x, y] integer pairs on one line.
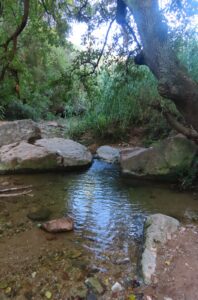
[[190, 133], [95, 65], [174, 82], [21, 26], [13, 38]]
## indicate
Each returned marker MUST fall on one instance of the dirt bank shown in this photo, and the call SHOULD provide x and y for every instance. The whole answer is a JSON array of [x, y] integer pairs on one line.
[[177, 268]]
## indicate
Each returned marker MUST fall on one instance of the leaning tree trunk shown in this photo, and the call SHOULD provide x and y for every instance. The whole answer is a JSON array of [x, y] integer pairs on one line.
[[174, 81]]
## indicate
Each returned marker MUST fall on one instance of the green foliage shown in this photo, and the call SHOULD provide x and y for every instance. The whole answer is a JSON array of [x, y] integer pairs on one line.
[[188, 177], [51, 73], [18, 110], [188, 54], [2, 112], [123, 99]]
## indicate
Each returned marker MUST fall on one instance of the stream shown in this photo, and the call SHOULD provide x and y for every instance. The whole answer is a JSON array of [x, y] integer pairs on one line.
[[109, 211]]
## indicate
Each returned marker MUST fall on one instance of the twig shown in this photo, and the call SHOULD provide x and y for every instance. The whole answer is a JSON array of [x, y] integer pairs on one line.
[[15, 194], [15, 188], [102, 51]]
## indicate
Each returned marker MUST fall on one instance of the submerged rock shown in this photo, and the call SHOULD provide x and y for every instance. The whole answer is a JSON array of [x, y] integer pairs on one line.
[[94, 283], [164, 161], [158, 229], [17, 131], [80, 292], [40, 214], [91, 296], [44, 155], [59, 225], [108, 154], [191, 215]]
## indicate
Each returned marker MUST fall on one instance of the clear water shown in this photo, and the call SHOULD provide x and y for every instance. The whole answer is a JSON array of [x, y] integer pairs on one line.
[[109, 212], [108, 209]]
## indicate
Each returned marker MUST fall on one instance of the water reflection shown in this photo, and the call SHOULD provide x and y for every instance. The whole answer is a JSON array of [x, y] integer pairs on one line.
[[102, 209], [108, 209]]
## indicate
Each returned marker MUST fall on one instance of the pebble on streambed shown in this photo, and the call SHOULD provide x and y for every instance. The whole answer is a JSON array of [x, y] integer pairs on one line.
[[58, 225], [41, 214]]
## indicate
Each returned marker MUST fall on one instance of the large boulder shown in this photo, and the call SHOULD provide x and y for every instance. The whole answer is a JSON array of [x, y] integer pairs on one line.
[[44, 155], [158, 229], [108, 154], [164, 161], [16, 131]]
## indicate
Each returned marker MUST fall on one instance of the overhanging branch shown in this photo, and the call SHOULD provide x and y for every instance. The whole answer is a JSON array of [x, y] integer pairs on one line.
[[190, 133], [21, 26], [95, 65]]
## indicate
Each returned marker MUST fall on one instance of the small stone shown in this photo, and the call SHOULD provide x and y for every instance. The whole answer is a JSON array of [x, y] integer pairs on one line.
[[122, 261], [82, 293], [79, 292], [48, 294], [91, 296], [33, 274], [59, 225], [73, 254], [94, 283], [40, 214], [117, 287], [8, 290]]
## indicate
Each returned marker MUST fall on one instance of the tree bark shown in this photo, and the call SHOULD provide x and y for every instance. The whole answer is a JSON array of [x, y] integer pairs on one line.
[[174, 82]]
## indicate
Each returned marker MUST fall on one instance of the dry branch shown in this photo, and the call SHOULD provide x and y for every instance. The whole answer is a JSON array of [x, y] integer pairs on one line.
[[15, 194], [15, 189]]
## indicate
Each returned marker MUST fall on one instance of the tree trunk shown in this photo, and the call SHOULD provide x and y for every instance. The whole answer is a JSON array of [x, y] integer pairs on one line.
[[174, 81]]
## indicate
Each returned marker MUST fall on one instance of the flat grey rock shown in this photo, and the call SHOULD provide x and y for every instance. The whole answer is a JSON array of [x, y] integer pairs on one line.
[[158, 229], [45, 155], [108, 153]]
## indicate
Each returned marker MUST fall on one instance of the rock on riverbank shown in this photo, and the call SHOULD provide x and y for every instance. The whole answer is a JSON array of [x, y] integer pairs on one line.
[[43, 155], [166, 160], [16, 131], [108, 153], [158, 229]]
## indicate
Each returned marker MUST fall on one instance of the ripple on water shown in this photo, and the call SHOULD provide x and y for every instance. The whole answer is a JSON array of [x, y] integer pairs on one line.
[[102, 209], [108, 209]]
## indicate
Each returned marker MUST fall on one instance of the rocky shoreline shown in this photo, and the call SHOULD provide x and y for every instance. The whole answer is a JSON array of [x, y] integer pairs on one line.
[[24, 149]]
